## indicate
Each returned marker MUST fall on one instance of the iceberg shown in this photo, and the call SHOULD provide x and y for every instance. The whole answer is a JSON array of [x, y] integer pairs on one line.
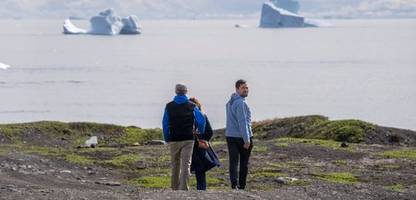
[[4, 66], [106, 23], [316, 23], [289, 5], [283, 13], [130, 25], [70, 28], [274, 17]]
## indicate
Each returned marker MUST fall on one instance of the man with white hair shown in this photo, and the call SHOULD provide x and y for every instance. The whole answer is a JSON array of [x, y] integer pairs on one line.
[[179, 120]]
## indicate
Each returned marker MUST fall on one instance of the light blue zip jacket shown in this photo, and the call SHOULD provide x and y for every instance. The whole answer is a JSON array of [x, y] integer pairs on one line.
[[238, 118]]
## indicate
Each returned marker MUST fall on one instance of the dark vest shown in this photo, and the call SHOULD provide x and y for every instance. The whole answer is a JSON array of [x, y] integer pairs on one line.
[[181, 121]]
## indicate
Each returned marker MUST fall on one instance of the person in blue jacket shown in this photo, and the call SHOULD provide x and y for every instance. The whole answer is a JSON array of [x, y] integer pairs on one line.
[[239, 135], [179, 120]]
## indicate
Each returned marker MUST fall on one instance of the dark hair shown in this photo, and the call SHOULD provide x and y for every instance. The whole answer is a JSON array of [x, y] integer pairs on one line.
[[239, 83]]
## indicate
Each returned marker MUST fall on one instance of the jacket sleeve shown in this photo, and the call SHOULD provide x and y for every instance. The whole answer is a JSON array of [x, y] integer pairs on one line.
[[208, 131], [200, 120], [241, 111], [165, 125]]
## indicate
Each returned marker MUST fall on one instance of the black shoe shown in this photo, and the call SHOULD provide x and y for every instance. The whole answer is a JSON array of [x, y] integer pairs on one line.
[[241, 187], [234, 187]]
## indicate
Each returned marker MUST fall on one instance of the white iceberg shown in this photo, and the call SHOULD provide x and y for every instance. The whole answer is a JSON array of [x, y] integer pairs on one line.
[[241, 26], [4, 66], [283, 13], [316, 23], [106, 23], [130, 25], [274, 17], [289, 5], [70, 28]]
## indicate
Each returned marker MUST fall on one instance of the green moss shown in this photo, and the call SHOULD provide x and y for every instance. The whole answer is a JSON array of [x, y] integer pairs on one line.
[[286, 165], [297, 124], [406, 153], [266, 172], [158, 182], [396, 187], [211, 181], [124, 161], [78, 159], [339, 177], [137, 135], [339, 162], [155, 171], [43, 151], [260, 149], [390, 166], [324, 143], [341, 130]]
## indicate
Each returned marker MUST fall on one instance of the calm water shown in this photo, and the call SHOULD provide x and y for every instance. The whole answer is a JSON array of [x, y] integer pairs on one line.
[[358, 69]]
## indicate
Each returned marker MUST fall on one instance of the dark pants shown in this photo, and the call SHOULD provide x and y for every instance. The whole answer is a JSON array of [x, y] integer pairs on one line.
[[201, 182], [237, 153]]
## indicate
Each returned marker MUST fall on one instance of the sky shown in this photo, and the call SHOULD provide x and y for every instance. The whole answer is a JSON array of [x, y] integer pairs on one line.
[[185, 9]]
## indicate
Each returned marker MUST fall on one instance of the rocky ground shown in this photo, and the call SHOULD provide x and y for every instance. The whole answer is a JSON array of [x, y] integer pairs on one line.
[[43, 161]]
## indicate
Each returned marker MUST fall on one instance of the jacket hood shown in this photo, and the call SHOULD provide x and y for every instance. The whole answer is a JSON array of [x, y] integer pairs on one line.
[[235, 97], [180, 99]]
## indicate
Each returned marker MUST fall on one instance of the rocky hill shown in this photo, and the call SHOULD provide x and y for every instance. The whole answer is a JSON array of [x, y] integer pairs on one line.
[[293, 158]]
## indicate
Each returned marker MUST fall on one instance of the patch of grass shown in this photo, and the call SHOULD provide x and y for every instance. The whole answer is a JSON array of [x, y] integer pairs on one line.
[[396, 187], [324, 143], [286, 165], [266, 172], [137, 135], [78, 159], [4, 151], [260, 149], [405, 153], [157, 182], [45, 151], [339, 162], [299, 183], [211, 181], [390, 166], [296, 124], [342, 130], [338, 177], [155, 171], [124, 161], [314, 127]]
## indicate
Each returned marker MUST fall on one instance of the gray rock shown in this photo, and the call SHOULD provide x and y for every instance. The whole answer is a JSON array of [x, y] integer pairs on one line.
[[155, 142]]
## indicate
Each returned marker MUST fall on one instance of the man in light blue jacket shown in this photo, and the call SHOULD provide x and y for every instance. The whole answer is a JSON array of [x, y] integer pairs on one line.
[[239, 134]]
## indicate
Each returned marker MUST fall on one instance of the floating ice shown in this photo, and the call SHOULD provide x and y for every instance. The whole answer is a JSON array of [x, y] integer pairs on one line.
[[316, 23], [130, 25], [283, 13], [240, 26], [106, 23], [274, 17], [4, 66], [289, 5], [70, 28]]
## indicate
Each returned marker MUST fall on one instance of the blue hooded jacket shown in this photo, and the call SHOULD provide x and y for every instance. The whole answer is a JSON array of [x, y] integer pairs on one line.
[[238, 118], [199, 117]]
